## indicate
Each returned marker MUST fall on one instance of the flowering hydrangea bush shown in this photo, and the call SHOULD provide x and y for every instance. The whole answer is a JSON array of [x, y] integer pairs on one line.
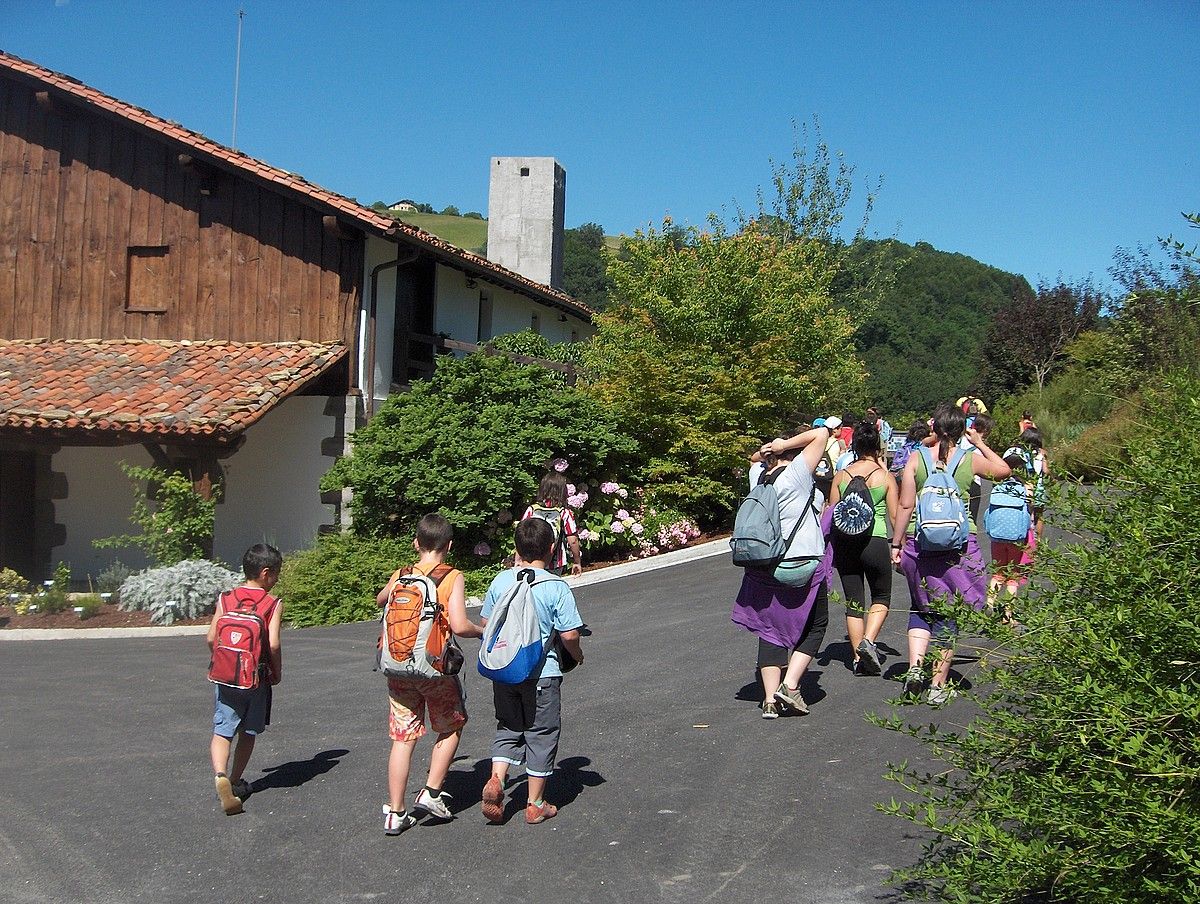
[[619, 522]]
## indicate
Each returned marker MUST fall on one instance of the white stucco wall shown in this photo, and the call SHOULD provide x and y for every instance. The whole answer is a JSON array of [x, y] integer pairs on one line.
[[271, 495], [272, 492], [98, 504], [379, 251]]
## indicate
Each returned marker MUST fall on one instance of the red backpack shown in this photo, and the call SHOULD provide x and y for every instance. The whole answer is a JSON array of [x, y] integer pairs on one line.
[[239, 654]]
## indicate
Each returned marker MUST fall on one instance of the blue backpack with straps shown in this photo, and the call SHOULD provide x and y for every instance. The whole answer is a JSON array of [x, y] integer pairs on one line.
[[942, 522], [1007, 517]]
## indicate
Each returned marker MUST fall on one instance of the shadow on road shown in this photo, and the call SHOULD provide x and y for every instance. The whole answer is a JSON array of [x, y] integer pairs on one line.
[[810, 689], [568, 782], [297, 772]]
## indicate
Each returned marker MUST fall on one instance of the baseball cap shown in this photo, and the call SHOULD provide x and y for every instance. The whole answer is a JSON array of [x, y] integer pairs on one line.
[[833, 422]]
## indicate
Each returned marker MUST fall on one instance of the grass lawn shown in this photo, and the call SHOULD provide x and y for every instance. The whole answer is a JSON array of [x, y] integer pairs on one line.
[[464, 232]]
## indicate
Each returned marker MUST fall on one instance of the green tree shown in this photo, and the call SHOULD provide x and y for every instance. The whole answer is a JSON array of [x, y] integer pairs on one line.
[[472, 442], [585, 266], [709, 345], [1028, 337], [450, 211]]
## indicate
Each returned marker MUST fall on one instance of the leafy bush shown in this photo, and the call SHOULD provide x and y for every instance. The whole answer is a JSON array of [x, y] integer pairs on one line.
[[192, 587], [90, 604], [112, 577], [176, 522], [11, 582], [614, 521], [56, 596], [472, 443], [529, 343], [336, 581], [1078, 779]]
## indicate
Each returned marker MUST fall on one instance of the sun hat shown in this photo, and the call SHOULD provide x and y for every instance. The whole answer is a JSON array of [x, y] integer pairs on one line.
[[833, 422]]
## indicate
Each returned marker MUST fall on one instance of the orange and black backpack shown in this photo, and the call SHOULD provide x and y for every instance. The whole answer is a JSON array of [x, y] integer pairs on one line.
[[415, 640]]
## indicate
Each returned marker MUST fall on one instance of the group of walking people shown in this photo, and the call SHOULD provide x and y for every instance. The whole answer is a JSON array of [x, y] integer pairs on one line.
[[845, 507]]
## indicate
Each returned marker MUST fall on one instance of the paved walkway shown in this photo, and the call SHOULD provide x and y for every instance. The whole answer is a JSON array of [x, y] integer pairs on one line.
[[672, 787]]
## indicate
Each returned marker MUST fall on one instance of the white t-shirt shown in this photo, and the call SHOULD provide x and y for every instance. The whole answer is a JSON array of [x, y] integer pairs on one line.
[[794, 487]]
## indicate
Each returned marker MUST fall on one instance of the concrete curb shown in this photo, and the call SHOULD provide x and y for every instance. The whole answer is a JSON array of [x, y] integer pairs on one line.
[[599, 576], [99, 633]]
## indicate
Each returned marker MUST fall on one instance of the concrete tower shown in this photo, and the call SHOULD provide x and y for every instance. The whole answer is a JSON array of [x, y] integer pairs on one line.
[[526, 206]]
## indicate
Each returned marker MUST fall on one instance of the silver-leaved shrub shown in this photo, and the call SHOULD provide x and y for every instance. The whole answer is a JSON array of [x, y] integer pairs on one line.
[[188, 589]]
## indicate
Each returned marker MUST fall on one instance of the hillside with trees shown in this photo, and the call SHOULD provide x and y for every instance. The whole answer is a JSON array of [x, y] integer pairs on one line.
[[923, 343]]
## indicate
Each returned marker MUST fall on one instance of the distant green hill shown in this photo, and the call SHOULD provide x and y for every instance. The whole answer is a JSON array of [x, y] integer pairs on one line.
[[465, 232], [922, 346]]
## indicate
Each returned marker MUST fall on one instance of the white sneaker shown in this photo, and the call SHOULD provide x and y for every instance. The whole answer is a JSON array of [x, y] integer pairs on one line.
[[940, 695], [433, 804], [395, 823]]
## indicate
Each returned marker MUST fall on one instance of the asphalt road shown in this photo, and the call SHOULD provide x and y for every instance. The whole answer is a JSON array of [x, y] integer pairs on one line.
[[670, 785]]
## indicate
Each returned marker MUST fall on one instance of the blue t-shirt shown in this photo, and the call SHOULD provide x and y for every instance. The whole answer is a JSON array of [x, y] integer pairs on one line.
[[556, 609]]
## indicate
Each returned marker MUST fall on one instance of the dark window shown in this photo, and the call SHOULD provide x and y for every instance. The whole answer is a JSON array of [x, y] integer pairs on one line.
[[483, 330], [524, 171], [148, 285], [535, 323]]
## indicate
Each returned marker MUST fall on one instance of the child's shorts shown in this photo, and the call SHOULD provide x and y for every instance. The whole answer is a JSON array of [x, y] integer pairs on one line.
[[247, 711], [528, 724], [409, 698]]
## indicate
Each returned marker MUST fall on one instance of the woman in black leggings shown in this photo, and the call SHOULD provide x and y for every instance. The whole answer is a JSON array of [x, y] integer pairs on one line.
[[864, 561]]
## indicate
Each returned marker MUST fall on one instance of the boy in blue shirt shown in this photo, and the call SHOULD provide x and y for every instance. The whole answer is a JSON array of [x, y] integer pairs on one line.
[[528, 715]]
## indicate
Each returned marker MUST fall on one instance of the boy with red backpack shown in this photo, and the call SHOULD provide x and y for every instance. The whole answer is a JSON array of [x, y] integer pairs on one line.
[[247, 661], [424, 609]]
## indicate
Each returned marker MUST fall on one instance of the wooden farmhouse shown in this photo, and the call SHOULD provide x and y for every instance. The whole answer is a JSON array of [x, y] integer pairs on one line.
[[167, 300]]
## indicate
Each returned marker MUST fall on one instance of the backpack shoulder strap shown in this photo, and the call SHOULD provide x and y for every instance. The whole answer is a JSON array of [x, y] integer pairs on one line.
[[957, 459], [927, 457]]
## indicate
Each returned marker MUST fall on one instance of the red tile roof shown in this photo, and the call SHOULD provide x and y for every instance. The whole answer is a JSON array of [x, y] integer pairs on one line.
[[154, 389], [363, 217]]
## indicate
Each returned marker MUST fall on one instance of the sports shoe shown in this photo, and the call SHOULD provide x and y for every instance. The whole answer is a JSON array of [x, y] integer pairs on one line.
[[229, 801], [914, 682], [493, 800], [868, 658], [434, 804], [395, 823], [940, 695], [242, 789], [790, 701], [769, 711], [535, 813]]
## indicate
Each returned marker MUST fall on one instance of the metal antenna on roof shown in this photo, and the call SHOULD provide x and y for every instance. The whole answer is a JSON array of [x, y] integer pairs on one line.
[[237, 77]]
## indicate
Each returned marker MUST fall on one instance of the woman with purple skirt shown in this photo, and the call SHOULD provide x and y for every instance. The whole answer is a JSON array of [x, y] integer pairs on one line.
[[788, 608], [935, 579]]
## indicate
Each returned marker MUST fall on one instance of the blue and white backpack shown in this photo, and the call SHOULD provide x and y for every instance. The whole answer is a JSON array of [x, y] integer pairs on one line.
[[1007, 517], [512, 649], [942, 522]]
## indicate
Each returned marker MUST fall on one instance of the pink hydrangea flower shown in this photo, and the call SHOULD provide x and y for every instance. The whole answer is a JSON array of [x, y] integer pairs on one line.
[[622, 492], [577, 500], [622, 515], [482, 549], [617, 527], [609, 487], [560, 464], [570, 489], [638, 529]]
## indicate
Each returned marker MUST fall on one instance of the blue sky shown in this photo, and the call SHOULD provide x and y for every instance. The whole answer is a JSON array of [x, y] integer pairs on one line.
[[1035, 137]]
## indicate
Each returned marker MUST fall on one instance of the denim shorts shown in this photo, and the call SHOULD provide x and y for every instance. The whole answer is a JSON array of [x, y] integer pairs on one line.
[[236, 710]]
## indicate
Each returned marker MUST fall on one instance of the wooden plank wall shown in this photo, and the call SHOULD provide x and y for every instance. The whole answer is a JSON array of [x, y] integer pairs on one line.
[[78, 189]]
